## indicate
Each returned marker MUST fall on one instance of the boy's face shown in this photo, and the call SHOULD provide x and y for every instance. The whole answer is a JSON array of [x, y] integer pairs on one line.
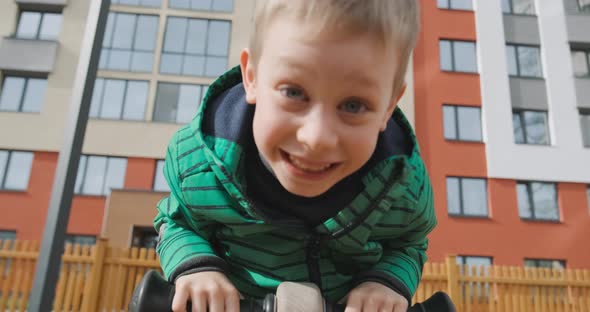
[[321, 102]]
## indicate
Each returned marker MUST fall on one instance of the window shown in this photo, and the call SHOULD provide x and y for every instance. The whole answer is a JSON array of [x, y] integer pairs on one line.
[[530, 127], [22, 94], [129, 42], [462, 123], [119, 99], [467, 197], [584, 6], [581, 63], [585, 123], [195, 47], [203, 5], [80, 239], [544, 263], [148, 3], [15, 170], [97, 175], [474, 266], [537, 201], [474, 261], [177, 102], [458, 56], [38, 25], [524, 61], [520, 7], [7, 235], [160, 184], [144, 237], [455, 4]]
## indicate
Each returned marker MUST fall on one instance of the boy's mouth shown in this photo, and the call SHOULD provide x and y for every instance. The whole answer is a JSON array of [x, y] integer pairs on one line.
[[307, 166]]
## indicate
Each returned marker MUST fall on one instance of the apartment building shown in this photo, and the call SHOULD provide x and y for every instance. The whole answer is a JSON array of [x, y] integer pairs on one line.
[[502, 102], [499, 91]]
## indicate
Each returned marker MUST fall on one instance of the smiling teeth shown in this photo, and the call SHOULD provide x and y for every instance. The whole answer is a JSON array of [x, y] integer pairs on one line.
[[305, 167]]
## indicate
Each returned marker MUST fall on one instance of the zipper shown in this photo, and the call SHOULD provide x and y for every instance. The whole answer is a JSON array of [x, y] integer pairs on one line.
[[312, 256]]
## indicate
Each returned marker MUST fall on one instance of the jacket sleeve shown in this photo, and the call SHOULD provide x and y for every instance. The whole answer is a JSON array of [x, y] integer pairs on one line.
[[183, 240], [400, 267]]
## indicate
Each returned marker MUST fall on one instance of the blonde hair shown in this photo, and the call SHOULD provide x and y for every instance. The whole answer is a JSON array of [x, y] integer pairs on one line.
[[394, 22]]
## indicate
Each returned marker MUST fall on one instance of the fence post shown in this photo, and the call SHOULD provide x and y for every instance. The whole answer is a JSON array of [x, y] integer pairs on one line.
[[453, 278], [91, 291]]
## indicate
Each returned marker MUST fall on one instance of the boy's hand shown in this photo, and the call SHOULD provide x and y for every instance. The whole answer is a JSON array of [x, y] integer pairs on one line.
[[208, 291], [375, 297]]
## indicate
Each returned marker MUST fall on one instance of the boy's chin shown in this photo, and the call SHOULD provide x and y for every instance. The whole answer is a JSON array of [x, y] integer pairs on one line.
[[309, 192]]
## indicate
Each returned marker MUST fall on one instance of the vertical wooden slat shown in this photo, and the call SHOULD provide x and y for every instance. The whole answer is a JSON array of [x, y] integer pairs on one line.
[[71, 276], [29, 269], [82, 278], [453, 278], [4, 245], [94, 278], [121, 276], [106, 293], [130, 280], [19, 271], [60, 294], [5, 275]]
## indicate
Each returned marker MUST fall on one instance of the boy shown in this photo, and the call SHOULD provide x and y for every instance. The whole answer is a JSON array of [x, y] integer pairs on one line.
[[299, 167]]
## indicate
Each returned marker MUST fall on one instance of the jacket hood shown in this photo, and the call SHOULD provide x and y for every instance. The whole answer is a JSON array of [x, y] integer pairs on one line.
[[223, 137]]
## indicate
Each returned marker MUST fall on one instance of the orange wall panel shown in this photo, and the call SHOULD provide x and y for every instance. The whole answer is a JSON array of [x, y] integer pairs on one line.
[[140, 173], [25, 212]]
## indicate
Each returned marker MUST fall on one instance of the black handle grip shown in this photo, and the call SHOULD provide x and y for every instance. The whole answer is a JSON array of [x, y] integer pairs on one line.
[[155, 294]]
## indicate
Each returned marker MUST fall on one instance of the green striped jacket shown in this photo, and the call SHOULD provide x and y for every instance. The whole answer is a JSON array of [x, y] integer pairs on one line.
[[208, 223]]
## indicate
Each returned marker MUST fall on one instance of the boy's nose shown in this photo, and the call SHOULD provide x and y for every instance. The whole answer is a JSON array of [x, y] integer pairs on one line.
[[317, 133]]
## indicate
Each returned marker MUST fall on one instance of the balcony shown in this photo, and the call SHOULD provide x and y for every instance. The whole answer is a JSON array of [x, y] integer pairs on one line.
[[528, 93], [583, 92], [522, 29], [25, 55], [42, 5]]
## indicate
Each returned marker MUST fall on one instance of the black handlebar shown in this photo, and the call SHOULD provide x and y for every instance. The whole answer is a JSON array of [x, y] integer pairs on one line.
[[155, 294]]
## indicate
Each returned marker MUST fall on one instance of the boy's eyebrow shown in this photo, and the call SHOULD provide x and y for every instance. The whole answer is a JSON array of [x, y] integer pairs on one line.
[[357, 77]]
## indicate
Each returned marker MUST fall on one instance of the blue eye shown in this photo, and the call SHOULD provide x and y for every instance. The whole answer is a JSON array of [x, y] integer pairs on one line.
[[353, 106], [294, 93]]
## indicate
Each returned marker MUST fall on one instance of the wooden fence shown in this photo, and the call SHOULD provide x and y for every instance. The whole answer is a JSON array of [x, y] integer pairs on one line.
[[102, 278]]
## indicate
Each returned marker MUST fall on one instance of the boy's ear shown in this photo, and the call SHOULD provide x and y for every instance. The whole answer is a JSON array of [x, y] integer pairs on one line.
[[248, 76], [392, 106]]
